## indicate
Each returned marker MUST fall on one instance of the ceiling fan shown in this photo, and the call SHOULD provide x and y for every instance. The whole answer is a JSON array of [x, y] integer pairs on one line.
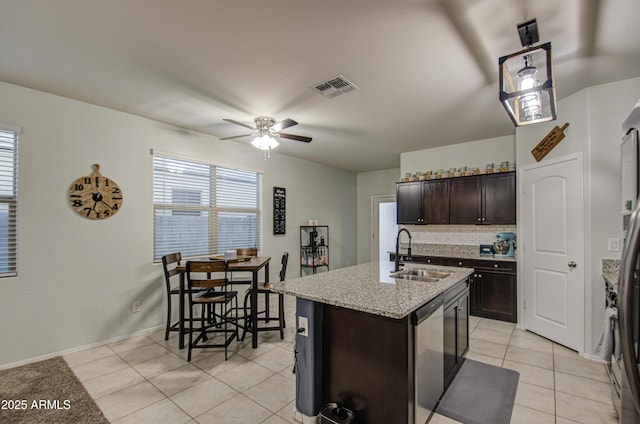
[[266, 131]]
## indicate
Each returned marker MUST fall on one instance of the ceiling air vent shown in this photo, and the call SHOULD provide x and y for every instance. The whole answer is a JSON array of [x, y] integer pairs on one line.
[[335, 86]]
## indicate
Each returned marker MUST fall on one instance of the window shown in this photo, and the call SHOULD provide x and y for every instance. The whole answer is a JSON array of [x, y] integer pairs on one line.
[[8, 202], [201, 209]]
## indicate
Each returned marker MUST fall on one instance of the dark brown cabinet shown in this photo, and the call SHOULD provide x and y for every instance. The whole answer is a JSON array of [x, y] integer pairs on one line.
[[495, 295], [492, 288], [456, 329], [435, 202], [478, 199], [409, 203], [423, 202], [483, 199]]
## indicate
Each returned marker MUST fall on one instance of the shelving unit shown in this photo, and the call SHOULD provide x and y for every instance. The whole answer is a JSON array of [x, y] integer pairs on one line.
[[314, 249]]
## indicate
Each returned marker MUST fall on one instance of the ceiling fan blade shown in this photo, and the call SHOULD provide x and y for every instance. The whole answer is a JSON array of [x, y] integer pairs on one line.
[[236, 136], [295, 137], [242, 124], [285, 123]]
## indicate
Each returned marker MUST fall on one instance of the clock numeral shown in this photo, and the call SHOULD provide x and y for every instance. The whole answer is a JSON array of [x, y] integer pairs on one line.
[[106, 182], [106, 213], [116, 190], [97, 181], [77, 203], [115, 207], [87, 180], [98, 215], [88, 210], [79, 187]]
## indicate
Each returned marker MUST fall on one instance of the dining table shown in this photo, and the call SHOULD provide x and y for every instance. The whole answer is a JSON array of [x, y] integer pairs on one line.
[[251, 264]]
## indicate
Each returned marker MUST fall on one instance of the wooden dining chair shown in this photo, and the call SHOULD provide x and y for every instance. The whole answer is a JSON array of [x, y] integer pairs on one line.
[[263, 290], [240, 277], [172, 287], [211, 278]]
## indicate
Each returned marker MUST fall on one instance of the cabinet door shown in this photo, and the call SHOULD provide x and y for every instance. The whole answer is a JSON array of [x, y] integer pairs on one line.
[[499, 198], [435, 202], [409, 203], [463, 326], [496, 296], [465, 200], [450, 341]]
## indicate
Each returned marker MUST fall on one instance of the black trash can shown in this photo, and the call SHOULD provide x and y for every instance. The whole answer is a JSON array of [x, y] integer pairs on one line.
[[331, 413]]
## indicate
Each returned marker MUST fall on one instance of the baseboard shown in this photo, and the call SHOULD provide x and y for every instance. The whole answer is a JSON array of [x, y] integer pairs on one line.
[[80, 348]]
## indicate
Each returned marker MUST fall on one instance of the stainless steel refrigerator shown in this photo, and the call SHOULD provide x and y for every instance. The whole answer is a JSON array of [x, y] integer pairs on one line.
[[628, 280]]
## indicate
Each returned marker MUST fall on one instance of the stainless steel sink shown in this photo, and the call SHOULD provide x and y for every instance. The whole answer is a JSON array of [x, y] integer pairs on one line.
[[418, 274]]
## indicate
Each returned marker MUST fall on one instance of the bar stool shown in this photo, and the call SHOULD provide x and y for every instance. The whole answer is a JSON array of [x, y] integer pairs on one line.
[[214, 291], [169, 263], [266, 292]]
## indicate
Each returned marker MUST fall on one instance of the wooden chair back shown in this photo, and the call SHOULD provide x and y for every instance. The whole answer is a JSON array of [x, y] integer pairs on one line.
[[169, 264], [247, 251], [283, 270], [206, 274]]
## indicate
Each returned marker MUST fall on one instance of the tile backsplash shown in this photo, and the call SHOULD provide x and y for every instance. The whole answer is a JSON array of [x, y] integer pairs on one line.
[[457, 234]]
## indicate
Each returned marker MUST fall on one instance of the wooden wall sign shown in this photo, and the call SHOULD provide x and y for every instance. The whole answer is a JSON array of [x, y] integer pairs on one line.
[[547, 144], [279, 211]]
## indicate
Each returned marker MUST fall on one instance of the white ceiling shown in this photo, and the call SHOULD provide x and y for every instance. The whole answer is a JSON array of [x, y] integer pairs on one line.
[[427, 69]]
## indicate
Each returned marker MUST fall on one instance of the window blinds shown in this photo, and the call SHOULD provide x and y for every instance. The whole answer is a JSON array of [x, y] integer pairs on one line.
[[202, 209], [8, 202]]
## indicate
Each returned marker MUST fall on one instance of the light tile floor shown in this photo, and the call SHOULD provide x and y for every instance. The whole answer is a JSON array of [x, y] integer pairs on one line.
[[146, 379]]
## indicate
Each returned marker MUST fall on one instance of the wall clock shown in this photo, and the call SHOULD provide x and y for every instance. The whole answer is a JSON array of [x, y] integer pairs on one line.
[[95, 196]]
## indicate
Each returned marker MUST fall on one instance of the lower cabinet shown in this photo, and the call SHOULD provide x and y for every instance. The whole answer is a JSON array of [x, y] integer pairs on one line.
[[456, 329], [495, 295]]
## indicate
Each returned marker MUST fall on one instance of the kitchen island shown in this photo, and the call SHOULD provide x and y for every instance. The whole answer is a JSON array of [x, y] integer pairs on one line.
[[355, 341]]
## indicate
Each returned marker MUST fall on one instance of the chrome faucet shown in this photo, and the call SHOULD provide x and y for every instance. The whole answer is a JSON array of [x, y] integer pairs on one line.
[[397, 262]]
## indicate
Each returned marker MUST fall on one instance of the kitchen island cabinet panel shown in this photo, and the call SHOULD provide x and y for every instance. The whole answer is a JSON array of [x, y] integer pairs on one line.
[[456, 330], [369, 354]]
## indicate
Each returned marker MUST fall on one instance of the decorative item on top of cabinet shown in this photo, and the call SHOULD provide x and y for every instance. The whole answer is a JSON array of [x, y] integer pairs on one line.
[[314, 248], [95, 196]]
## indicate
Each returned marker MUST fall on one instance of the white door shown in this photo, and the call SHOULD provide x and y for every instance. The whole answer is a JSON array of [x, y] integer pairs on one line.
[[552, 250], [383, 227]]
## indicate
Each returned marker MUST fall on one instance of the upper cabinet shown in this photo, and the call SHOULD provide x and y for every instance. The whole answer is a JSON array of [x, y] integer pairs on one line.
[[423, 202], [479, 199]]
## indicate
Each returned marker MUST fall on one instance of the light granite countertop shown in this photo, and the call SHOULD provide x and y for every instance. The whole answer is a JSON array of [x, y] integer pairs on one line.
[[463, 251], [369, 288], [610, 270]]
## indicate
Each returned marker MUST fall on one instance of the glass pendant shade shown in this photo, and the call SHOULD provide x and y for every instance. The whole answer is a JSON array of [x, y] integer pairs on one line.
[[527, 86], [264, 142]]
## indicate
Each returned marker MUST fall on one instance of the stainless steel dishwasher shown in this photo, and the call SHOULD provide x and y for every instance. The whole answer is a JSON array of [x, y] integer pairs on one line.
[[428, 357]]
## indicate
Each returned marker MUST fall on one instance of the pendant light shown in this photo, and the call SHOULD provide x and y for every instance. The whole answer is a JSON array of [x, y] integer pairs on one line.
[[527, 86]]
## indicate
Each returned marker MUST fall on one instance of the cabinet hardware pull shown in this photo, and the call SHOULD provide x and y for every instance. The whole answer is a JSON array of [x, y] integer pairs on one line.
[[495, 265]]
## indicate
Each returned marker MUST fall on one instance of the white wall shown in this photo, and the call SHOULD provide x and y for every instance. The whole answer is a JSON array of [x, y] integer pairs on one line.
[[375, 183], [595, 116], [76, 277]]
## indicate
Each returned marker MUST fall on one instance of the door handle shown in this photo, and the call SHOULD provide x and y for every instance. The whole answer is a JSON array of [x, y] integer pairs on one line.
[[572, 264]]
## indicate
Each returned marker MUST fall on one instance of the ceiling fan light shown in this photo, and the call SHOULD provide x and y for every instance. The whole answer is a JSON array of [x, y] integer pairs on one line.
[[528, 93], [265, 142]]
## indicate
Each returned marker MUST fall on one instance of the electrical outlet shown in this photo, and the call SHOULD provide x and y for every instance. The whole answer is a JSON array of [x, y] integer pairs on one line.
[[614, 245], [303, 326], [136, 306]]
